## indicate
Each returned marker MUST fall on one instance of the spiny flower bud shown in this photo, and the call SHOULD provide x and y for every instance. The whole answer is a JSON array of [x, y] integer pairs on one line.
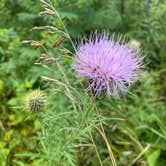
[[36, 101], [134, 44]]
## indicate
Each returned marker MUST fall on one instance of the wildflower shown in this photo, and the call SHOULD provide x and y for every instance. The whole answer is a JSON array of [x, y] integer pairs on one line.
[[36, 101], [110, 66]]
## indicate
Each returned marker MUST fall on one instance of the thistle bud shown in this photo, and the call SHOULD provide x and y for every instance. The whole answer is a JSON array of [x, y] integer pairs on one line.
[[134, 44], [36, 101]]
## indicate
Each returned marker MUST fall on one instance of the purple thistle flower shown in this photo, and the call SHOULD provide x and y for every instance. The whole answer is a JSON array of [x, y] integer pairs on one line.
[[109, 66]]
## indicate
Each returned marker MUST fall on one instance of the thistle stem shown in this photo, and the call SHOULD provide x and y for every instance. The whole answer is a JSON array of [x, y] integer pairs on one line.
[[102, 132], [79, 107]]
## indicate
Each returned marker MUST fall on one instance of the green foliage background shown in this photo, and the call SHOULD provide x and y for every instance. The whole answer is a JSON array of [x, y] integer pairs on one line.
[[29, 141]]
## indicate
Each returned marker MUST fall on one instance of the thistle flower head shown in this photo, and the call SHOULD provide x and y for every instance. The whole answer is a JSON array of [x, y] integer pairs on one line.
[[109, 65], [36, 101]]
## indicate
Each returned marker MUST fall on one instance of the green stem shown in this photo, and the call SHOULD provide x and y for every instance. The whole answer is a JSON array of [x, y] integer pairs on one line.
[[102, 132]]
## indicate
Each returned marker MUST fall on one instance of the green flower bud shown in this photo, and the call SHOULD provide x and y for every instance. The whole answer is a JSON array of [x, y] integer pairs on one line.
[[36, 101]]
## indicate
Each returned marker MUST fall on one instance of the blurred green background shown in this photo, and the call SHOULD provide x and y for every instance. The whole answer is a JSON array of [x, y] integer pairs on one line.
[[142, 21]]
